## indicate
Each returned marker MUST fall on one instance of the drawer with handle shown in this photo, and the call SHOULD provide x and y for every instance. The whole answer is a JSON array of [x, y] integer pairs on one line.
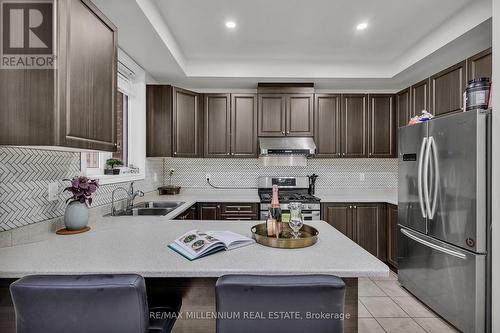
[[236, 217], [239, 208]]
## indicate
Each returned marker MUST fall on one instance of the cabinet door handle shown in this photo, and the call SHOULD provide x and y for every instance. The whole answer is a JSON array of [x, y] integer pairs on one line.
[[175, 153], [287, 132], [227, 154], [283, 132], [355, 207], [350, 207]]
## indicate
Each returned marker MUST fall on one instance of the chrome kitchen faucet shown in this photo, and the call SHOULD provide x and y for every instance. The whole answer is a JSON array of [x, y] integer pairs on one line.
[[131, 195]]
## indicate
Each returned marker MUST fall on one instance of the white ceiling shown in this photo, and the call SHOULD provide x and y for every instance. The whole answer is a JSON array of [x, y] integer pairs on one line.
[[305, 31], [186, 42]]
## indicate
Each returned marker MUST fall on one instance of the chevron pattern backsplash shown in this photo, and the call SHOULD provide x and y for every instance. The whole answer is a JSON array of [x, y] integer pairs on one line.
[[25, 174], [333, 173], [24, 177]]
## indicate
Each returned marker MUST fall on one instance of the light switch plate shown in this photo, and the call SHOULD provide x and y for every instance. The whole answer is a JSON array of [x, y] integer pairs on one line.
[[53, 190], [155, 177], [361, 176]]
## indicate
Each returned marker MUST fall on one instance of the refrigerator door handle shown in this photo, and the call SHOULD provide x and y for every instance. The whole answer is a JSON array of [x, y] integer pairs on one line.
[[433, 246], [436, 177], [425, 176], [419, 177]]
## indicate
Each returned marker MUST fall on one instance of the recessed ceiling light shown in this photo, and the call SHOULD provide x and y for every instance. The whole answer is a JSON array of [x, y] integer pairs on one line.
[[230, 24], [362, 26]]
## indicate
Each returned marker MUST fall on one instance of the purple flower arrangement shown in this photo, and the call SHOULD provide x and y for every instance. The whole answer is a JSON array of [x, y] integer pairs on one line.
[[82, 189]]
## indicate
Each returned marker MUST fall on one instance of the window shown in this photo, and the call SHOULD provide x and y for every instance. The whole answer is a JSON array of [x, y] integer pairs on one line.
[[130, 125], [121, 127], [96, 161]]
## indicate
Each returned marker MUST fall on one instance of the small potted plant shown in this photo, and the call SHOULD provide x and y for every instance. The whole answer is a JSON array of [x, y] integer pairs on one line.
[[76, 216], [170, 188], [111, 163]]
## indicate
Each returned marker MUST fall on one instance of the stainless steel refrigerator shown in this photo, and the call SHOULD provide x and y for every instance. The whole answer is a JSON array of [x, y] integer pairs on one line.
[[443, 216]]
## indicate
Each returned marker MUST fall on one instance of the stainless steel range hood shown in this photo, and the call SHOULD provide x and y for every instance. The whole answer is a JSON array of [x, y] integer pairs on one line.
[[287, 146]]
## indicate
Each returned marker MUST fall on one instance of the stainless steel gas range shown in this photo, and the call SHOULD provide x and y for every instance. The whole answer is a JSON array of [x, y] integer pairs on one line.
[[291, 189]]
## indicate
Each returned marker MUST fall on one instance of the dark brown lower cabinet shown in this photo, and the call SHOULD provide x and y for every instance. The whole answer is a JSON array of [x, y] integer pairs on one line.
[[190, 214], [392, 235], [370, 228], [339, 215], [364, 223], [209, 211], [228, 211]]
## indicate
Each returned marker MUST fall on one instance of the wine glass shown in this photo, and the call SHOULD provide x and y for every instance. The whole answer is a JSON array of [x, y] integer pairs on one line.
[[296, 220]]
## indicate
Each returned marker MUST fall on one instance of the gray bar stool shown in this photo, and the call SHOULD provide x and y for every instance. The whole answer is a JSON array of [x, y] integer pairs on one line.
[[86, 303], [270, 304]]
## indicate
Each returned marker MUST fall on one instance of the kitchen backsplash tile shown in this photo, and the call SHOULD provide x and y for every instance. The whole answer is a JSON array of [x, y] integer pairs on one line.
[[333, 173], [25, 174]]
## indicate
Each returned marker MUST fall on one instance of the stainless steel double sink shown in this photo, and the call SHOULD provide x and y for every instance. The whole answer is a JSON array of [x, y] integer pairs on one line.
[[155, 208]]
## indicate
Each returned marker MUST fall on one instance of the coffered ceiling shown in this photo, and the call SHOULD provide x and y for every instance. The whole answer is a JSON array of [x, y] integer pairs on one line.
[[186, 42]]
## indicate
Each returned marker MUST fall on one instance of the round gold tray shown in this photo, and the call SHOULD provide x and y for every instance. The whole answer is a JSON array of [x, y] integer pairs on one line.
[[308, 236]]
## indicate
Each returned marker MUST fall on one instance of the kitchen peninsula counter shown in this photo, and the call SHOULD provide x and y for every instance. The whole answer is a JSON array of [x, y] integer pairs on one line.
[[138, 244]]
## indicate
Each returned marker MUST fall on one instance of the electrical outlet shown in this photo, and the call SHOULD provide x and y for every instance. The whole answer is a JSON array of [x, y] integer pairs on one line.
[[207, 177], [53, 190], [361, 177], [155, 177]]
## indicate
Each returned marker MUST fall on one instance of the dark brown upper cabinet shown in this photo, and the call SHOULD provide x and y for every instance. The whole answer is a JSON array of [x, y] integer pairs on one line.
[[230, 125], [447, 88], [272, 115], [381, 125], [158, 121], [187, 123], [479, 65], [354, 118], [327, 125], [244, 125], [286, 115], [420, 97], [71, 106], [299, 115], [403, 107], [217, 125]]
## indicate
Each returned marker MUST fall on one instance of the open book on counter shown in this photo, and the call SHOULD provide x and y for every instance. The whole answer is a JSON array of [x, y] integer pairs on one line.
[[195, 244]]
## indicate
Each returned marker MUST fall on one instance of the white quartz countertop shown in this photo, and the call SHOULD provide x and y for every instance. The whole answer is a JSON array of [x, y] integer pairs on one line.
[[191, 196], [139, 245]]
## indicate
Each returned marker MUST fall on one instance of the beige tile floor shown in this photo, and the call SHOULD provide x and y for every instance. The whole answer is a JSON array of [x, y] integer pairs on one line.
[[384, 306]]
